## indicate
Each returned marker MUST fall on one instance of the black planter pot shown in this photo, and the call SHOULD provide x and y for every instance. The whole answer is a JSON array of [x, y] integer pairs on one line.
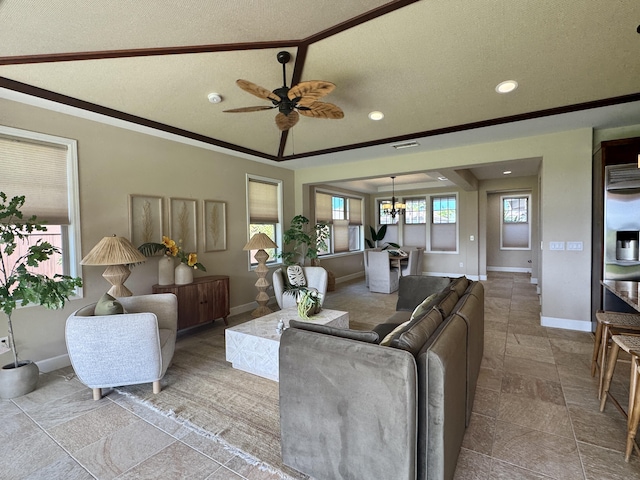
[[15, 382]]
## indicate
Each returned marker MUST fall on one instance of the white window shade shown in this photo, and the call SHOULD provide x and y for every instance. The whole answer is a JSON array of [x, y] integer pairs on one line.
[[340, 236], [39, 172], [324, 212], [355, 211], [263, 202]]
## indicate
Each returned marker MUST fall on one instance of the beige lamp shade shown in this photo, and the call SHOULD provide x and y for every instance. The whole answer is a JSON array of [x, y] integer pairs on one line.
[[116, 252], [260, 241]]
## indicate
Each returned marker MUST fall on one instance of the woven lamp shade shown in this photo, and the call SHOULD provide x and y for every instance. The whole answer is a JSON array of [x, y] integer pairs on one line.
[[113, 251], [259, 241]]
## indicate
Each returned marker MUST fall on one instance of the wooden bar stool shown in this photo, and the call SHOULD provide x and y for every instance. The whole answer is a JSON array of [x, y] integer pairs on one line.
[[627, 343], [609, 324], [634, 405]]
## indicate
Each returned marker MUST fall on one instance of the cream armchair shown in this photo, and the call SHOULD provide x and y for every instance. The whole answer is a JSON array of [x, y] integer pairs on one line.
[[127, 349], [317, 278]]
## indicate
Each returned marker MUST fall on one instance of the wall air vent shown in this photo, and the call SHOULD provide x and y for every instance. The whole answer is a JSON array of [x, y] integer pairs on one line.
[[623, 177]]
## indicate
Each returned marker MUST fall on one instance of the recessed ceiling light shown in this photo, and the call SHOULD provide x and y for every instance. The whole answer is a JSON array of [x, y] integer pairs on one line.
[[506, 172], [443, 179], [376, 115], [506, 86], [214, 97], [400, 146]]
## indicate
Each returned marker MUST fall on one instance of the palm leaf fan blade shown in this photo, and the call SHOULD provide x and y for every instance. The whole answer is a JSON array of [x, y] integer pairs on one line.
[[248, 109], [310, 91], [257, 90], [322, 110], [285, 122]]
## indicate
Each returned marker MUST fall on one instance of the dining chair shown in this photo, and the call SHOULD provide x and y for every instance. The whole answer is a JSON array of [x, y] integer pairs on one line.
[[414, 263], [382, 277]]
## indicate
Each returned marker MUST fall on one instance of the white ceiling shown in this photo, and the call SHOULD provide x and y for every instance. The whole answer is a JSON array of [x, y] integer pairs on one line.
[[430, 65]]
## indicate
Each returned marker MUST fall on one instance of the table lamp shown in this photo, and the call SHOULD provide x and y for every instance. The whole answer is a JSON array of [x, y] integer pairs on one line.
[[117, 253], [259, 242]]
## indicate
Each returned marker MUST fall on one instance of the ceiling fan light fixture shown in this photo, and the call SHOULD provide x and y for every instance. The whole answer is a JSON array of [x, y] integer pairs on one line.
[[376, 115], [214, 97], [400, 146], [506, 86]]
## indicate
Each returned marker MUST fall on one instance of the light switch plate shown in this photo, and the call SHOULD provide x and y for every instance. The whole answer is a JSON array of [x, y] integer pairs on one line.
[[575, 246], [556, 245]]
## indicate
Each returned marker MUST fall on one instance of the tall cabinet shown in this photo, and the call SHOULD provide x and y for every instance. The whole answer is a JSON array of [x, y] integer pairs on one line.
[[203, 301]]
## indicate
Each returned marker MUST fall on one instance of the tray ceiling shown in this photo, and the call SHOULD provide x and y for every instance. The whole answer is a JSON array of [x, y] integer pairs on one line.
[[430, 66]]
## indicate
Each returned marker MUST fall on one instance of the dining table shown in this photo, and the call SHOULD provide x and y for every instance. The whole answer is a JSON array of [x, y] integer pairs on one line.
[[625, 290]]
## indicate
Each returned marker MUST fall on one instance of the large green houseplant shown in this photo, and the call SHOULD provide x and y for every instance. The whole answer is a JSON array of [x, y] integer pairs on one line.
[[303, 240], [21, 285]]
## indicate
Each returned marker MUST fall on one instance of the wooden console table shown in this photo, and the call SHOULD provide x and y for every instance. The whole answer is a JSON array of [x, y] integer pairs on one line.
[[202, 301]]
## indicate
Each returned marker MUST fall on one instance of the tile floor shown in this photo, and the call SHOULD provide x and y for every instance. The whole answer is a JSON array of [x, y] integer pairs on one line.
[[535, 414]]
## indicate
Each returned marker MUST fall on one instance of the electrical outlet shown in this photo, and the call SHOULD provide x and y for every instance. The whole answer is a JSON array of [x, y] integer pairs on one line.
[[4, 345], [461, 264]]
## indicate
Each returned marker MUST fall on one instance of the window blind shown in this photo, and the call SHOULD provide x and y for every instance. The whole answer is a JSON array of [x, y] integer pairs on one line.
[[263, 202], [340, 236], [39, 172], [355, 211], [324, 212]]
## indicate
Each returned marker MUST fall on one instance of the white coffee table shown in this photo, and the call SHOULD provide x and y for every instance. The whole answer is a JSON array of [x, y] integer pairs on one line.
[[253, 346]]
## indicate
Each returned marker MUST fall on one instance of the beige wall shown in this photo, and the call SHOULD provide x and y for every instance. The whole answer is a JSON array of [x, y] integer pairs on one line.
[[491, 191], [566, 182], [114, 163]]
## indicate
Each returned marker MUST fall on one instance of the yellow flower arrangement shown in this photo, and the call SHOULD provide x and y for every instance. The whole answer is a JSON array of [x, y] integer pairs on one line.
[[171, 248]]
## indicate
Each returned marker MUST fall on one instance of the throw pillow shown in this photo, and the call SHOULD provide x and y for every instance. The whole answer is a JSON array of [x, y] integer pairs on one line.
[[387, 340], [426, 304], [296, 276], [108, 305], [360, 335]]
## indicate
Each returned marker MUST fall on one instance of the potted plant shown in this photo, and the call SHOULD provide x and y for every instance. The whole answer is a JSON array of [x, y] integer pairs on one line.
[[378, 236], [20, 285], [304, 241]]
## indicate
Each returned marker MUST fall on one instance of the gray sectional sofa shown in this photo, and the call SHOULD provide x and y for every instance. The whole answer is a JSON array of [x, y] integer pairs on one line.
[[353, 408]]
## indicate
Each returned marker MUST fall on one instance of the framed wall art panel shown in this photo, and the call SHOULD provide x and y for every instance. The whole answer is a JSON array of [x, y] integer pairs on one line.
[[182, 223], [145, 219], [214, 215]]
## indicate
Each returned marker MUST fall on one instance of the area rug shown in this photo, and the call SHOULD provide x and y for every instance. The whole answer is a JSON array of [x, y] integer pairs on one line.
[[240, 410], [201, 391]]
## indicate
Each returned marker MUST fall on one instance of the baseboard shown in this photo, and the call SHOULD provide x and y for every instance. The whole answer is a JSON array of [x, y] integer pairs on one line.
[[533, 281], [50, 364], [451, 275], [484, 278], [350, 277], [509, 269], [566, 324]]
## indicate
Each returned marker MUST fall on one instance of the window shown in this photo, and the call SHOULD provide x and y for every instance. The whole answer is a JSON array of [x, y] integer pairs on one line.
[[343, 214], [515, 230], [264, 200], [385, 218], [515, 209], [416, 212], [43, 168], [443, 234]]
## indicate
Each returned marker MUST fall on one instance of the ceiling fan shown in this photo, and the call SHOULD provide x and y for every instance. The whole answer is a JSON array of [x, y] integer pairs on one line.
[[301, 98]]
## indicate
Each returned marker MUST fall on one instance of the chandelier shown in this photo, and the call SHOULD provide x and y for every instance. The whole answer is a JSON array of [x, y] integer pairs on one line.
[[393, 208]]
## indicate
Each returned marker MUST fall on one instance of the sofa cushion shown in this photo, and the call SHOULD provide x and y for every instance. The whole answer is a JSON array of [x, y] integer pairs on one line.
[[425, 306], [395, 331], [460, 285], [383, 329], [360, 335], [447, 302], [416, 333], [413, 289], [108, 305]]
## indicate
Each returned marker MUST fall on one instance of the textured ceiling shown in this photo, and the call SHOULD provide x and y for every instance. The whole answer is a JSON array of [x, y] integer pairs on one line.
[[431, 65]]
